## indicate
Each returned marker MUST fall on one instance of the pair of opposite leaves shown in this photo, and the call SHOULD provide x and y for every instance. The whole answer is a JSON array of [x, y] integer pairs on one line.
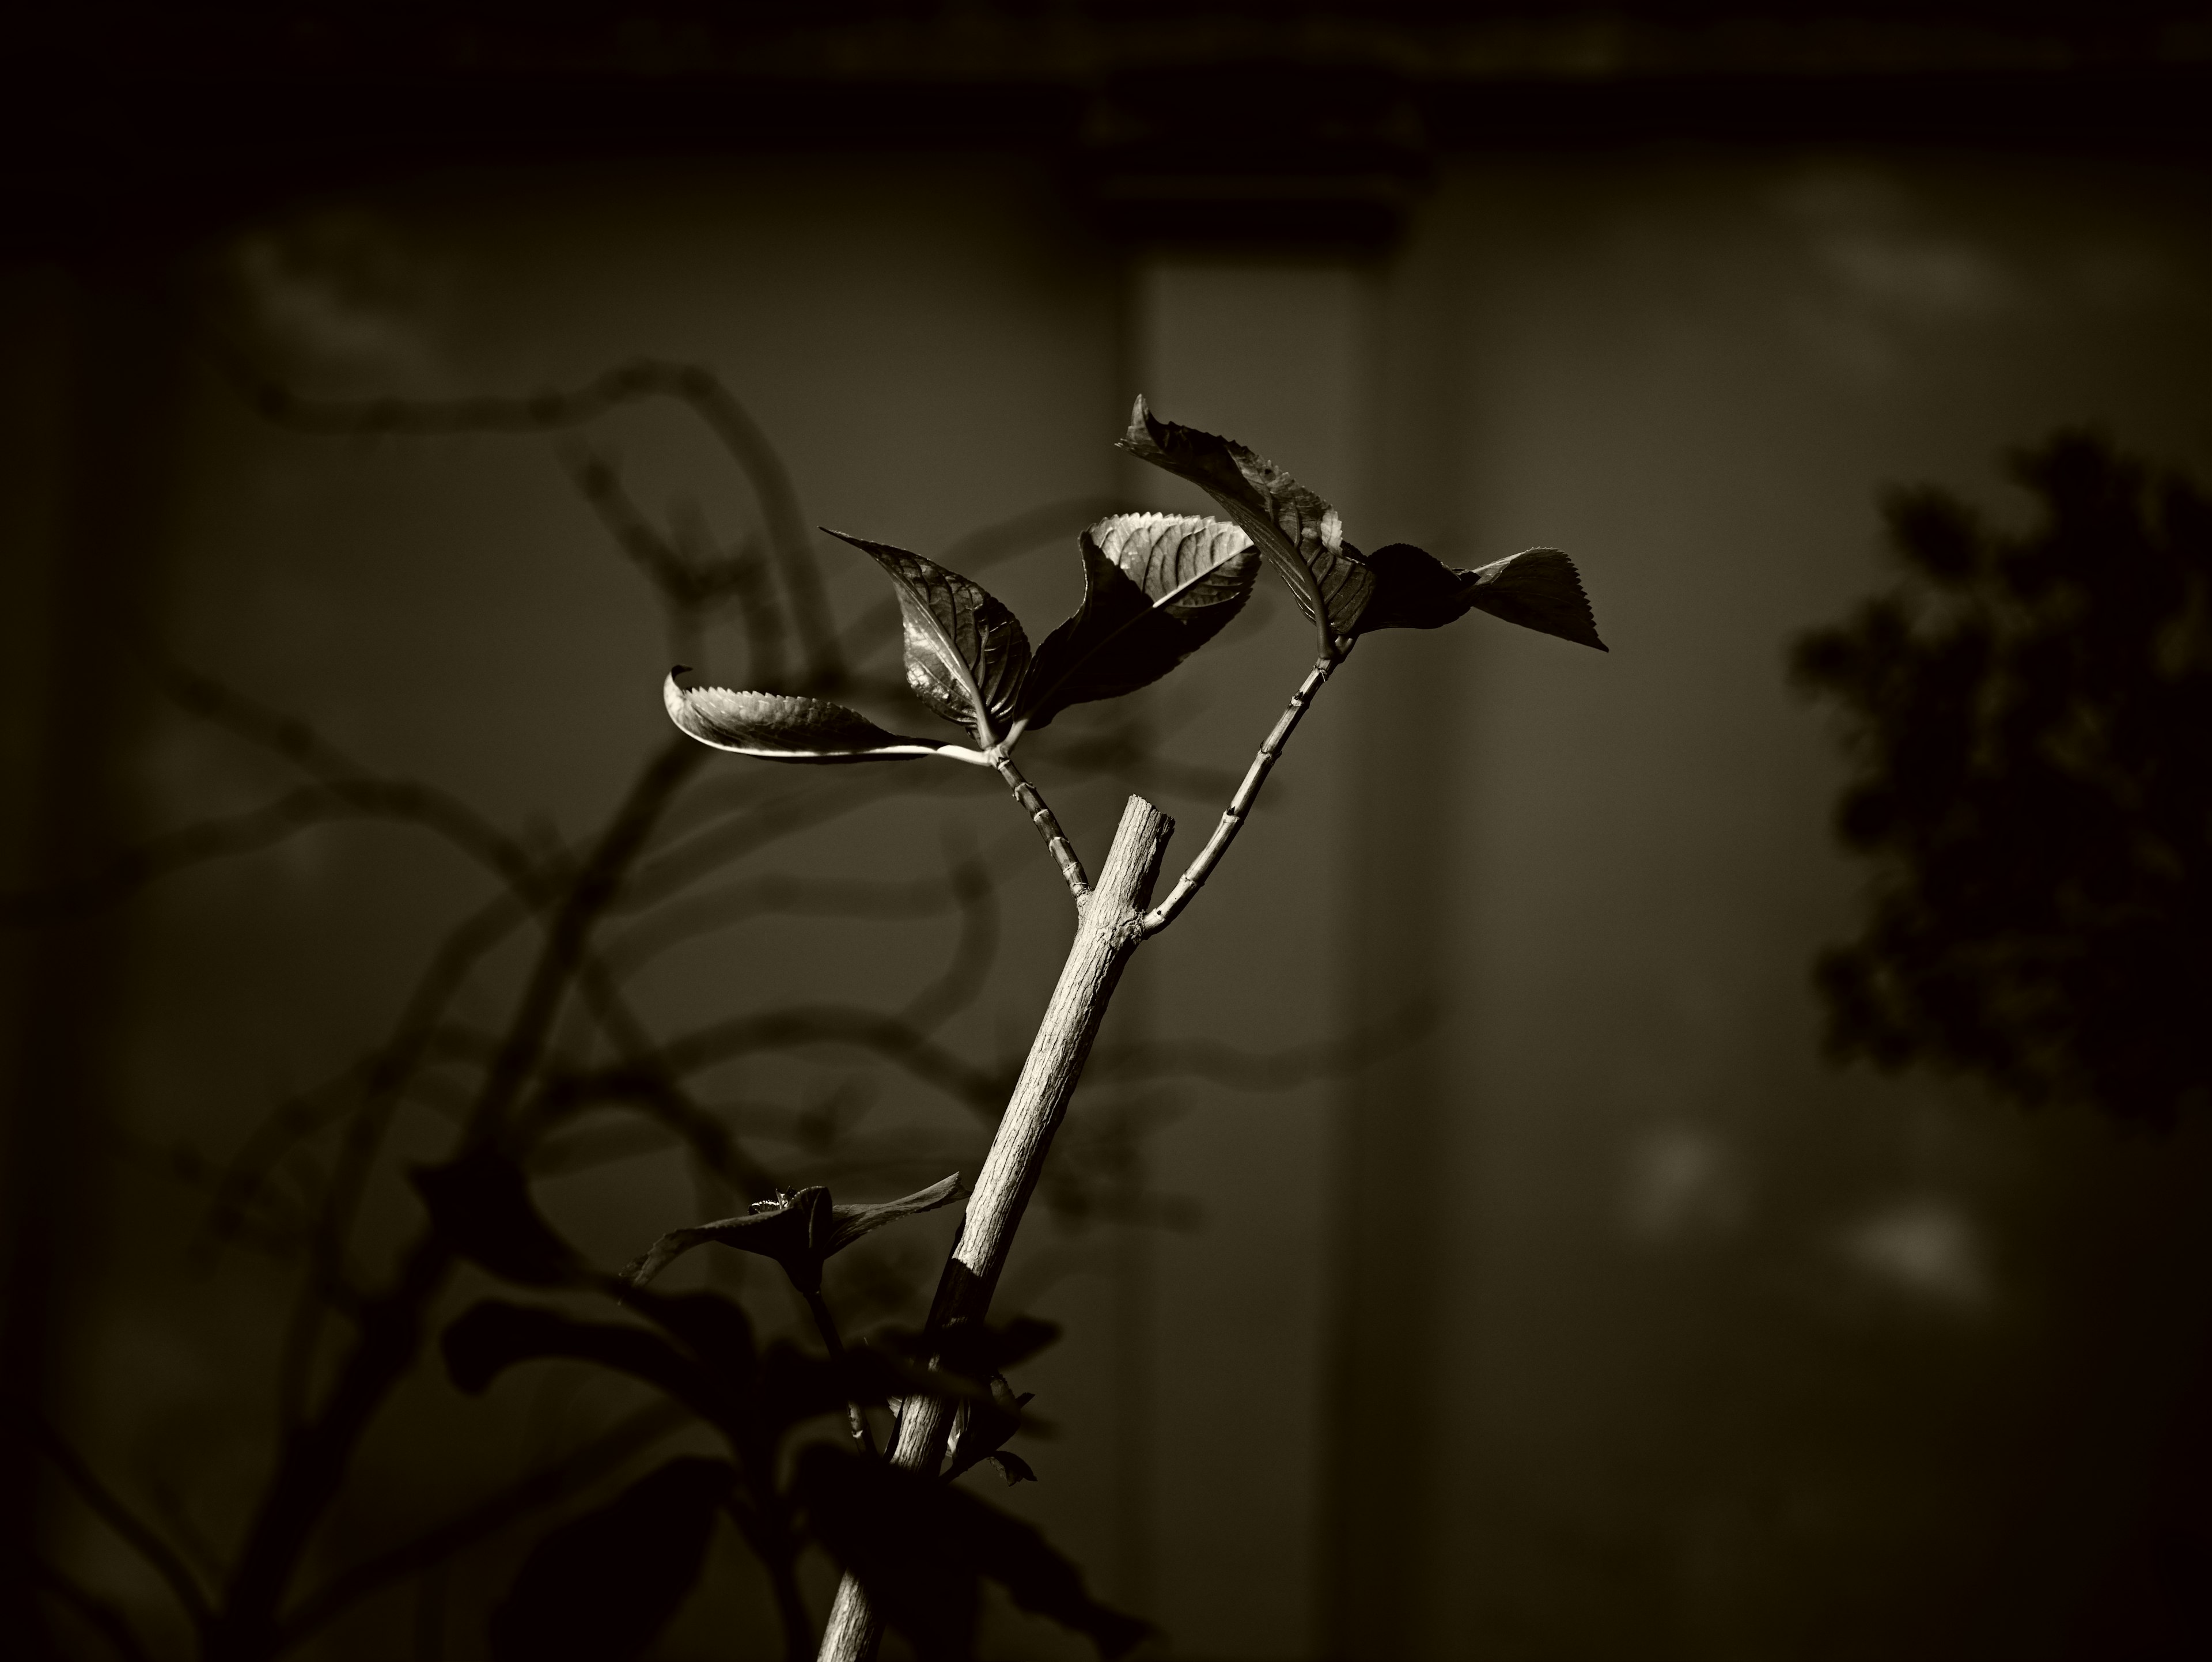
[[1156, 586]]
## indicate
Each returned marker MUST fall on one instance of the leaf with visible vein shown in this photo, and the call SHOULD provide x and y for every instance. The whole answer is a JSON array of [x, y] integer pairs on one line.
[[1300, 534], [1155, 587], [1538, 588], [778, 727], [966, 655]]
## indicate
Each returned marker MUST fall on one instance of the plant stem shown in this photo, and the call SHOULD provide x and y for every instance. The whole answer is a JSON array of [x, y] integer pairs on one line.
[[1046, 821], [1110, 929], [827, 1325], [1239, 805]]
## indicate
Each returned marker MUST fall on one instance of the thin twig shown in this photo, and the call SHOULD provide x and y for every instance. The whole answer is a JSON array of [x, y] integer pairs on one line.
[[826, 1324], [896, 1041], [1048, 824], [143, 1539], [1240, 805]]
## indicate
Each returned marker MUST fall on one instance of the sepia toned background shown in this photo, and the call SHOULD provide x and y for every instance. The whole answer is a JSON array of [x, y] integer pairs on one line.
[[1465, 1251]]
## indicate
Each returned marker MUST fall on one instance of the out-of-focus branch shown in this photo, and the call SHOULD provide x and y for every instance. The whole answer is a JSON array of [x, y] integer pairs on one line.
[[777, 895], [969, 967], [1262, 1070], [550, 411], [897, 1041], [689, 583], [97, 1613], [143, 1538], [546, 1486]]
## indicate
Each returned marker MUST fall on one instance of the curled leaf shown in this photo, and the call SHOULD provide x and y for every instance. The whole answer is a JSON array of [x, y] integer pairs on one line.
[[966, 655], [980, 1429], [1299, 534], [799, 1231], [1155, 587], [782, 728], [1538, 589]]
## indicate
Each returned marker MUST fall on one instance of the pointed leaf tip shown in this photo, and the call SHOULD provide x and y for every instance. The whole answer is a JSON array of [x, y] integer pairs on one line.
[[780, 727], [1538, 588], [1155, 587], [1301, 536], [966, 654]]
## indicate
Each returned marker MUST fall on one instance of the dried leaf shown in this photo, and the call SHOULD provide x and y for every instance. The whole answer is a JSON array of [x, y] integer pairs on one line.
[[1538, 589], [480, 1202], [918, 1545], [602, 1586], [1012, 1468], [966, 655], [1155, 587], [781, 728], [1300, 535]]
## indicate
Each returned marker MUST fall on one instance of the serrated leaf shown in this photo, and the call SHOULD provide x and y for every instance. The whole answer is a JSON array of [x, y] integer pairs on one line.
[[1155, 587], [602, 1586], [780, 727], [480, 1204], [1300, 535], [919, 1545], [966, 655], [1538, 588]]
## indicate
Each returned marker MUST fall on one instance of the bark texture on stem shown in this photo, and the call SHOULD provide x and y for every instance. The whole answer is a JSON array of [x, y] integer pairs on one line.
[[1110, 929]]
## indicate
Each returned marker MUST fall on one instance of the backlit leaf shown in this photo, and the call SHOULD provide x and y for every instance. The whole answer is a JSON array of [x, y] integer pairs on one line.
[[1155, 587], [1538, 589], [602, 1586], [966, 655], [781, 729], [1300, 535]]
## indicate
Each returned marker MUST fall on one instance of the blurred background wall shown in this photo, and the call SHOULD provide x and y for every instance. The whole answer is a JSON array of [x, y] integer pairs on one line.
[[1523, 1285]]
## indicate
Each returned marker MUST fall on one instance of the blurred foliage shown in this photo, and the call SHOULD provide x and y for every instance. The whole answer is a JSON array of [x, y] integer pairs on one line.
[[2030, 717]]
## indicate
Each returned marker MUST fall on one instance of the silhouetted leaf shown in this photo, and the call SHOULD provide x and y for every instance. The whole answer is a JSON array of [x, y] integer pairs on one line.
[[966, 656], [918, 1545], [602, 1586], [1538, 589], [981, 1428], [1155, 587], [494, 1335], [799, 1231], [713, 1328], [1300, 535], [972, 1350], [481, 1204], [779, 729]]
